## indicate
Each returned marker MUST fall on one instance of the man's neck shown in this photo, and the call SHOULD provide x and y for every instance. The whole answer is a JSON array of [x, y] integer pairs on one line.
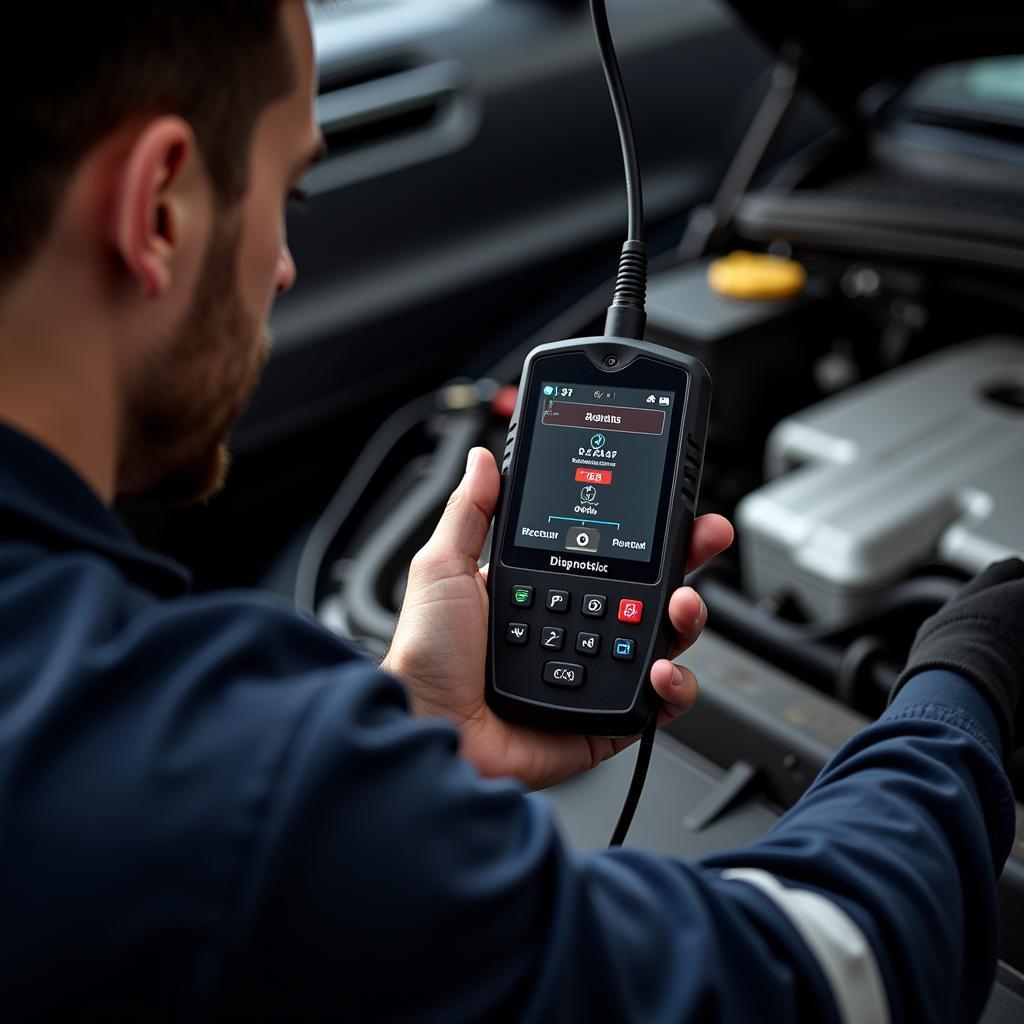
[[58, 382]]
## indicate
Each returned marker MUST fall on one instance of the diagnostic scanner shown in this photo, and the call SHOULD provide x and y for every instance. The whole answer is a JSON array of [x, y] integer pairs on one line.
[[600, 480]]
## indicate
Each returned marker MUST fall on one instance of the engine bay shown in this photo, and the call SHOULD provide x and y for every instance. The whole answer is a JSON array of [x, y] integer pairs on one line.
[[866, 439], [870, 450]]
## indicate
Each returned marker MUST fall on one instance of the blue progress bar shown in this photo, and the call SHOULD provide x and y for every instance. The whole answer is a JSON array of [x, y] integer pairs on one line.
[[587, 522]]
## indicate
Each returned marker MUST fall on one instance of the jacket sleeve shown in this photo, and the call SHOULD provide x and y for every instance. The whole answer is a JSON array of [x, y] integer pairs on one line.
[[888, 865], [390, 882]]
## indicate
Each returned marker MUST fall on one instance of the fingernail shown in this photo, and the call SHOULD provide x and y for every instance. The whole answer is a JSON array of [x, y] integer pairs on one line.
[[470, 459], [677, 677]]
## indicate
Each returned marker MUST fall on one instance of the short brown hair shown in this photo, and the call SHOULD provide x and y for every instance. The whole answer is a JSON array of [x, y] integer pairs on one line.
[[216, 63]]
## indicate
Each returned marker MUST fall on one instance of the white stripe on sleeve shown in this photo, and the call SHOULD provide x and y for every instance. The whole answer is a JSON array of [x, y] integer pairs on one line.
[[841, 949]]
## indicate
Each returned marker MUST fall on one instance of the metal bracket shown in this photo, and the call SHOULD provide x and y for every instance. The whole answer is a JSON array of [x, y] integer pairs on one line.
[[739, 782]]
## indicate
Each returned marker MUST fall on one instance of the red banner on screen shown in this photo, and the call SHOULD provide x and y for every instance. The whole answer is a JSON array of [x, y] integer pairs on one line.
[[593, 476]]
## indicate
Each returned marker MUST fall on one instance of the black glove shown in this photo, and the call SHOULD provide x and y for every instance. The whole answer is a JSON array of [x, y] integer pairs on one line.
[[979, 634]]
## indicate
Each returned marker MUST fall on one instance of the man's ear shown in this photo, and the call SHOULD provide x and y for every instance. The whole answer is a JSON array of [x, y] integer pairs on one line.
[[153, 207]]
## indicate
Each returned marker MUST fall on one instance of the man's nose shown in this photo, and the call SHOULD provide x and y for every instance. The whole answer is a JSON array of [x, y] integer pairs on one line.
[[285, 271]]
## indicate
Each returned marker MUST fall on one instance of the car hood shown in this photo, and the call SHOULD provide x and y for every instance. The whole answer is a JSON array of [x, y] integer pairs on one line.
[[845, 46]]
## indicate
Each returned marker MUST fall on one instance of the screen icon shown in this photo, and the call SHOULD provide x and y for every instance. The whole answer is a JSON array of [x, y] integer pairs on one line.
[[597, 441], [589, 495], [664, 400], [651, 399], [582, 538], [549, 391]]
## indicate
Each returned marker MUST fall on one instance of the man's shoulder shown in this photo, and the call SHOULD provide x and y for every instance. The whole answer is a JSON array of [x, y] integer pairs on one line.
[[144, 746], [80, 598], [182, 708], [113, 686]]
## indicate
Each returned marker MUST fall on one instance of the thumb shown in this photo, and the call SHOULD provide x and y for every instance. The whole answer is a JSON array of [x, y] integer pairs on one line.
[[467, 516]]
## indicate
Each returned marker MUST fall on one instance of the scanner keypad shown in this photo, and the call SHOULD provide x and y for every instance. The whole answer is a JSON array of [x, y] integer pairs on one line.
[[589, 642], [552, 638]]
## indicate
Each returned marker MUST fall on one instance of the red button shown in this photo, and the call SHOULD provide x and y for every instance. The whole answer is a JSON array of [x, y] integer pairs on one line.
[[593, 476], [630, 610]]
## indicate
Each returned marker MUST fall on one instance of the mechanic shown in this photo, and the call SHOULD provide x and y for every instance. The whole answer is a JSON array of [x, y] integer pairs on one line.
[[210, 807]]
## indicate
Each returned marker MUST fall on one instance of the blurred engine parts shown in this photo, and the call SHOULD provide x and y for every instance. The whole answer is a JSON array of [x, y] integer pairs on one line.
[[926, 462], [761, 353]]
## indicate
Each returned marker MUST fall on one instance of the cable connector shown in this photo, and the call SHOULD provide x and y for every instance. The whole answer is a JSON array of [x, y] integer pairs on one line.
[[627, 315]]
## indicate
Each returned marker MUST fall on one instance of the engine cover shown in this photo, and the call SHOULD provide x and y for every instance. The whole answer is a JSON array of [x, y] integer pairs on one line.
[[926, 462]]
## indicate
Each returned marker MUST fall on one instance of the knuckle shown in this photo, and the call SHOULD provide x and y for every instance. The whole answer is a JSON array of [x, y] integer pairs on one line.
[[421, 561]]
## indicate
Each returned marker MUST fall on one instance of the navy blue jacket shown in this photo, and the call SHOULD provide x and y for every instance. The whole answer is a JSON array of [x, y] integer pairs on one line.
[[212, 808]]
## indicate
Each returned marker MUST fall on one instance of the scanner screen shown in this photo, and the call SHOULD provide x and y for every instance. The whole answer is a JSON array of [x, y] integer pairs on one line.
[[595, 470]]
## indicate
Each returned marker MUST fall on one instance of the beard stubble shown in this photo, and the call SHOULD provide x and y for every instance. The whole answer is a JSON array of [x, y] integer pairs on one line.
[[188, 398]]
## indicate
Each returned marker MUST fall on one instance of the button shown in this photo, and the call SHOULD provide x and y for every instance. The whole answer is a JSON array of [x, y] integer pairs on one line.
[[522, 597], [552, 638], [623, 649], [582, 538], [563, 673], [588, 643], [517, 633], [630, 610], [558, 601], [594, 606]]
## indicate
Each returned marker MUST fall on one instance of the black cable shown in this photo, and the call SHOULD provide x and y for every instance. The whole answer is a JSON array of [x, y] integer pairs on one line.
[[627, 315], [620, 102], [790, 646], [636, 785], [367, 613], [348, 495]]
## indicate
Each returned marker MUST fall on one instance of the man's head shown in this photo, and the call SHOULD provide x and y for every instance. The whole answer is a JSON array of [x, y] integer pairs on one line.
[[156, 146]]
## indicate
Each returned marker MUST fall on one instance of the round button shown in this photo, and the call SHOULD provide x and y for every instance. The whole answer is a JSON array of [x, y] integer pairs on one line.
[[582, 538]]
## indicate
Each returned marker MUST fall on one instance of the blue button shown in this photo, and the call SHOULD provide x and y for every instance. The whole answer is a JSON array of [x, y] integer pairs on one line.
[[624, 650]]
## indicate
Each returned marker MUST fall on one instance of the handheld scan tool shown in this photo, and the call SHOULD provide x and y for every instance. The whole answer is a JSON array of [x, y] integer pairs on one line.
[[600, 481], [599, 486]]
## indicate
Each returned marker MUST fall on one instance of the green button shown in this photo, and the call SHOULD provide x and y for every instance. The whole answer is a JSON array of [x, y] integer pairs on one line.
[[522, 597]]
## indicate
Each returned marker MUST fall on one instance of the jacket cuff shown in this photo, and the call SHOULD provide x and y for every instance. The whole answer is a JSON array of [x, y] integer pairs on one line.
[[942, 688]]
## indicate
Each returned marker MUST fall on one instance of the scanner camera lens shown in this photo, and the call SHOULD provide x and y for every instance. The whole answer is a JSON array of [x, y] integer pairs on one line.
[[611, 362]]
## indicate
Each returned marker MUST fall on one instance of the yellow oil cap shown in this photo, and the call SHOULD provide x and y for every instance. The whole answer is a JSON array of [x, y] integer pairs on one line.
[[755, 275]]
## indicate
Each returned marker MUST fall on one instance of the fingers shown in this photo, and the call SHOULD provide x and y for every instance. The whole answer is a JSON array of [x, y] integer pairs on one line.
[[688, 615], [467, 517], [676, 686], [712, 534], [996, 573]]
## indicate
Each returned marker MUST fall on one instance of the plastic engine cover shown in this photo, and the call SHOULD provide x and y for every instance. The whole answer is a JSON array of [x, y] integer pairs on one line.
[[925, 462]]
